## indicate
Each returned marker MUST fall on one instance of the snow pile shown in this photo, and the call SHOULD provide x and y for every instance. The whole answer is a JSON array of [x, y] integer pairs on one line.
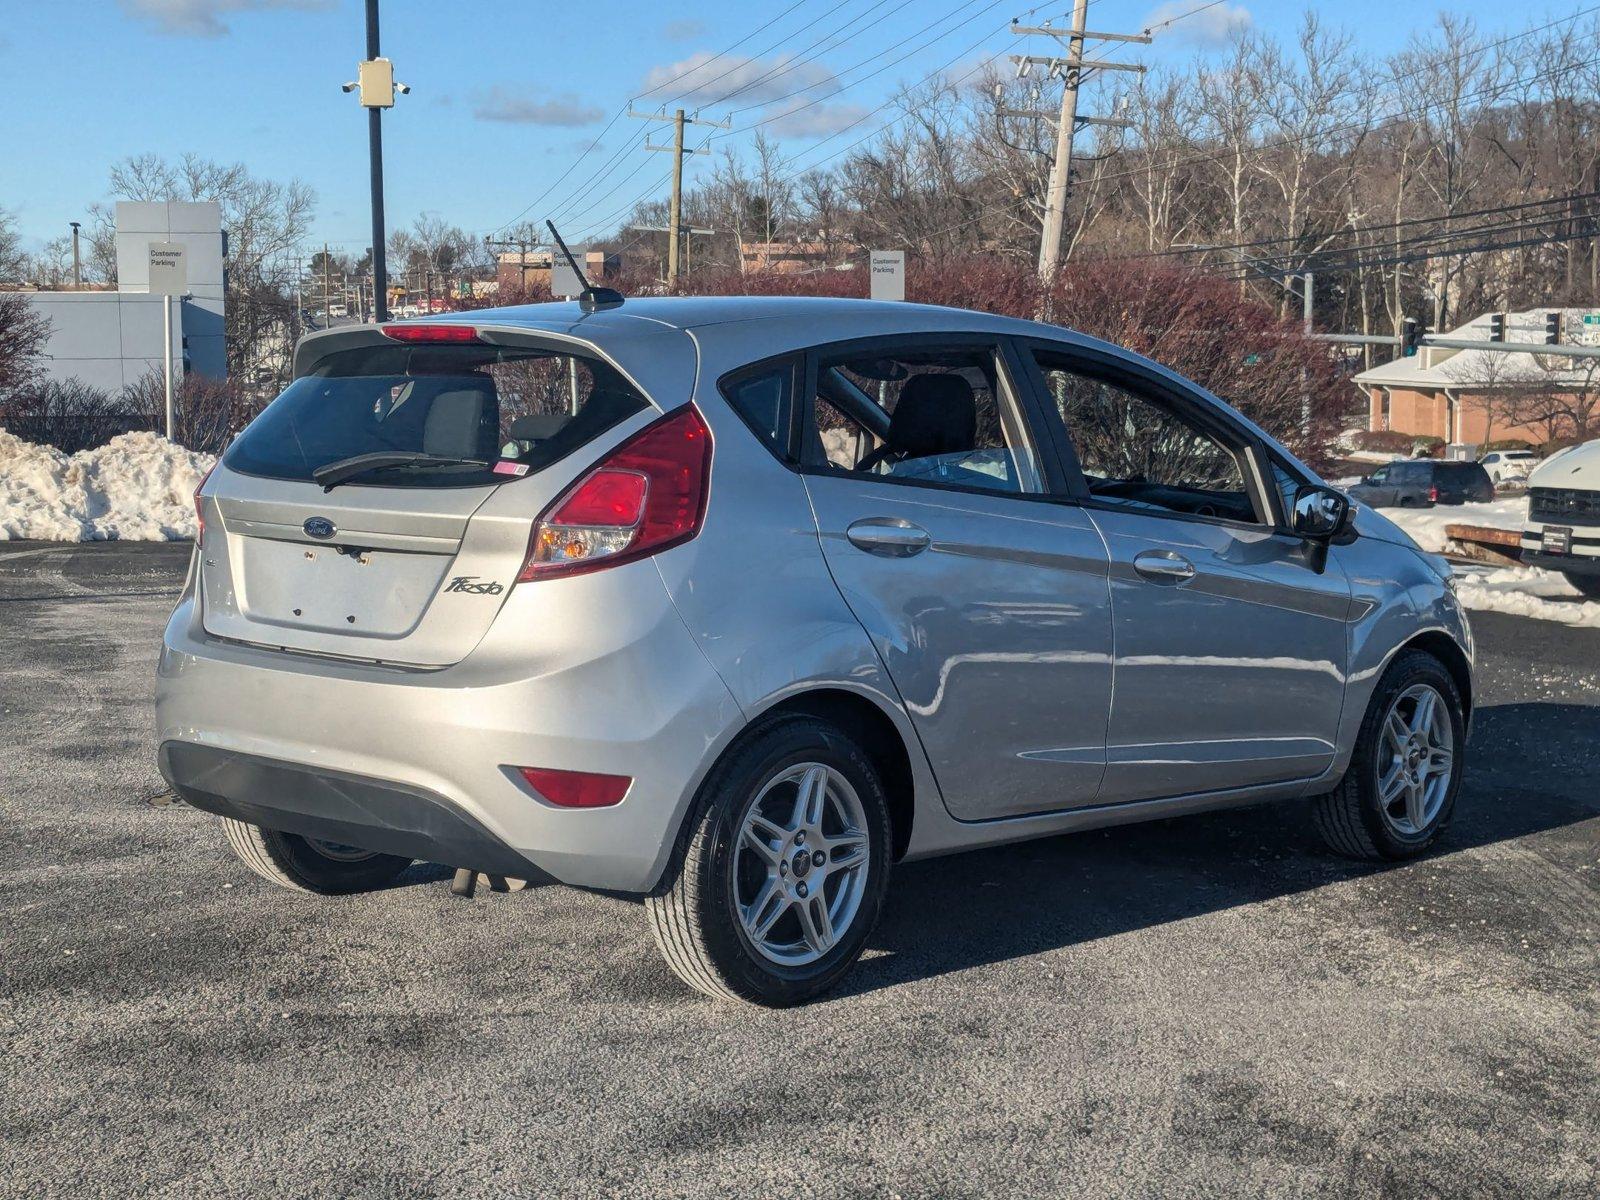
[[1525, 592], [137, 487], [1426, 525]]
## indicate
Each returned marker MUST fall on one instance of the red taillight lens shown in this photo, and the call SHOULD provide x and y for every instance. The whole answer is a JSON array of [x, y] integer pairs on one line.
[[199, 505], [647, 495], [1433, 493], [430, 333], [606, 497], [577, 789]]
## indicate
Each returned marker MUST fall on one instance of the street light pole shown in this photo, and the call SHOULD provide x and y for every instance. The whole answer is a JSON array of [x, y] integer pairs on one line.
[[380, 272], [375, 79], [77, 261]]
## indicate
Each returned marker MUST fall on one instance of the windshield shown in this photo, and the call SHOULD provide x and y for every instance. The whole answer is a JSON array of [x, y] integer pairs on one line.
[[479, 415]]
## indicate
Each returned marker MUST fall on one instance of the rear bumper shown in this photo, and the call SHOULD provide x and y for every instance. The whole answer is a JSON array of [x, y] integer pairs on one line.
[[337, 807], [593, 673]]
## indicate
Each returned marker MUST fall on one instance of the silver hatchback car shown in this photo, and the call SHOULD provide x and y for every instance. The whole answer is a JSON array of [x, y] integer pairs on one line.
[[732, 603]]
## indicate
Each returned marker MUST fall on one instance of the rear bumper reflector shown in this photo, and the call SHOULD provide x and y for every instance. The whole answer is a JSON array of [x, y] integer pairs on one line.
[[576, 789]]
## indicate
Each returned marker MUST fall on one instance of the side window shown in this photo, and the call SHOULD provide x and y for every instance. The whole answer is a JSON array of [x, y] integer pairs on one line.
[[1381, 475], [764, 399], [1138, 453], [928, 416]]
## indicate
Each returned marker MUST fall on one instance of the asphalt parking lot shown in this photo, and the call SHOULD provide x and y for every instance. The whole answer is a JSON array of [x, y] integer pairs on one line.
[[1206, 1006]]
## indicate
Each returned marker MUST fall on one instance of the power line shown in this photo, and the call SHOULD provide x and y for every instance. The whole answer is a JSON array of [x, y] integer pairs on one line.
[[617, 116], [1358, 127], [780, 116]]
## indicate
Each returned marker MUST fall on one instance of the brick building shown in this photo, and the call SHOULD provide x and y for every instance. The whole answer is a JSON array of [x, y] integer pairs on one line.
[[1452, 394]]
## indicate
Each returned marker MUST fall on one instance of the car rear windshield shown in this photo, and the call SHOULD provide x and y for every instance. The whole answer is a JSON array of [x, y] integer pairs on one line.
[[481, 414]]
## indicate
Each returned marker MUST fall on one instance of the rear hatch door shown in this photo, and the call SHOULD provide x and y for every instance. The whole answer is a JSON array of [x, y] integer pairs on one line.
[[409, 564]]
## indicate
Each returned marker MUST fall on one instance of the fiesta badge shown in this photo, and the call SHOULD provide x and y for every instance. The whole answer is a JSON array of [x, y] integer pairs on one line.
[[319, 527]]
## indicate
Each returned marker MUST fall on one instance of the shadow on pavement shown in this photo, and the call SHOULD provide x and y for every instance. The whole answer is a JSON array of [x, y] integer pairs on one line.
[[988, 906]]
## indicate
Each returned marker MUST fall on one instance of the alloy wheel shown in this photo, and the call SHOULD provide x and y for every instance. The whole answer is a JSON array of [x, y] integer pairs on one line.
[[1416, 760], [800, 864]]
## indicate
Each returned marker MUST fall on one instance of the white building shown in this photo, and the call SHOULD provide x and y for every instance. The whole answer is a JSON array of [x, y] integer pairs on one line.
[[111, 339]]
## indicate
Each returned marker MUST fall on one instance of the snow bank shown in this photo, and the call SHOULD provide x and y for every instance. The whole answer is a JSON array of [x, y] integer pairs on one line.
[[1526, 592], [137, 487], [1426, 525]]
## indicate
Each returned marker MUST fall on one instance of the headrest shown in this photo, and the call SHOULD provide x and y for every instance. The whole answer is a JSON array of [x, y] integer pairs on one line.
[[536, 427], [936, 415]]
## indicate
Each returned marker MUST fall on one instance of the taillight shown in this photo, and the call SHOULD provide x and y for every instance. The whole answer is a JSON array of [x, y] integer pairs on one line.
[[199, 505], [430, 333], [647, 495], [1433, 493], [577, 789]]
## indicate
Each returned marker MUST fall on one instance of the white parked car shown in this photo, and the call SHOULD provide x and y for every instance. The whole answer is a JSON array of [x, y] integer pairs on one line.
[[1563, 528], [1505, 465]]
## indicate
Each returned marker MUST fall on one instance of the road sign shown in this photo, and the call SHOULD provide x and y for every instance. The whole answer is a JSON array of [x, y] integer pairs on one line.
[[888, 271], [564, 280], [169, 269]]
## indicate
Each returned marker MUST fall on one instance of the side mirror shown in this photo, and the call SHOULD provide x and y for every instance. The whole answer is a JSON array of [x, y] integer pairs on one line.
[[1319, 513]]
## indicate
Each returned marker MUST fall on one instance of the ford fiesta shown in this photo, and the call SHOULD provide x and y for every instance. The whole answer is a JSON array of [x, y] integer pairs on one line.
[[735, 603]]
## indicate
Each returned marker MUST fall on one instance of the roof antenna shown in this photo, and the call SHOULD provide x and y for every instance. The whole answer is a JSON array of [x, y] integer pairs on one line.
[[592, 298]]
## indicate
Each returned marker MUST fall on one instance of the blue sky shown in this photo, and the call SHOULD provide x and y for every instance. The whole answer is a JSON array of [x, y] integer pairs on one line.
[[506, 95]]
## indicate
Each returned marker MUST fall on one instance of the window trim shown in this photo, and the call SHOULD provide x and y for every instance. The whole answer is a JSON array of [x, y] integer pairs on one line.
[[1012, 389], [787, 453], [1130, 376]]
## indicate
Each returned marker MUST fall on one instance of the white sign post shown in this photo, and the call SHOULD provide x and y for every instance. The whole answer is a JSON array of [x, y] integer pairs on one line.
[[888, 271], [564, 281], [169, 277]]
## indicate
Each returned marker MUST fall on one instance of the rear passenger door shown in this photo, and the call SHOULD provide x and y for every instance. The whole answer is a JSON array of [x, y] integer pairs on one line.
[[1229, 641], [956, 545]]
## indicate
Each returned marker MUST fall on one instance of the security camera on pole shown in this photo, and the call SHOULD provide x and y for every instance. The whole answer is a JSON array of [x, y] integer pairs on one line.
[[375, 79]]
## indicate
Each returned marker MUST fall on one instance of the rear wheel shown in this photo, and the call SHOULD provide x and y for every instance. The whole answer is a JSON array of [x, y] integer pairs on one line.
[[1589, 585], [1400, 790], [308, 864], [783, 870]]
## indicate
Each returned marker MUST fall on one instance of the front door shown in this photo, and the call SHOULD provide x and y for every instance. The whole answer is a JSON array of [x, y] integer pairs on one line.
[[1230, 642], [986, 597]]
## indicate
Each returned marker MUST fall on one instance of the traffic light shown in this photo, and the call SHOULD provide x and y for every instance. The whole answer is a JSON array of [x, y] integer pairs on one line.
[[1411, 331], [1497, 327], [1552, 328]]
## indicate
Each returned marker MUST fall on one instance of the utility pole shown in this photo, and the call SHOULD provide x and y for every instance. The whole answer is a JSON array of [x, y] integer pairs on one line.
[[77, 260], [677, 150], [522, 245], [375, 79], [327, 288], [1072, 70]]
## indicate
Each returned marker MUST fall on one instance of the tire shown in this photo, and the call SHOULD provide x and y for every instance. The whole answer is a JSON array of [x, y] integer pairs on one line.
[[719, 878], [1353, 819], [1589, 585], [305, 865]]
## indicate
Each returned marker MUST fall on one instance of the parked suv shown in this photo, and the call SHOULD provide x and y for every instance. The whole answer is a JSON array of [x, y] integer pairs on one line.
[[1422, 482], [1504, 466], [1563, 528], [735, 603]]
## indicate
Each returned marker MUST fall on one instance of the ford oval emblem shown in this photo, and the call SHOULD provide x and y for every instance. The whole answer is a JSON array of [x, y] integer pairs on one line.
[[319, 527]]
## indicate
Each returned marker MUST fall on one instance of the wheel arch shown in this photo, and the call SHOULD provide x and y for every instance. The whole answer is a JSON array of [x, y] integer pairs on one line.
[[1444, 648], [880, 737]]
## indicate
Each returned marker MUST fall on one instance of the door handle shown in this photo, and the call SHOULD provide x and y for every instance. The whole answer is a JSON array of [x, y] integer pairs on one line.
[[1163, 566], [891, 537]]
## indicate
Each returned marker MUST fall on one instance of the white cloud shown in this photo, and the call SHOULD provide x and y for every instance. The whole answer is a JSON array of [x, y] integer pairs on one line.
[[819, 120], [506, 104], [707, 79], [1206, 27], [203, 18]]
